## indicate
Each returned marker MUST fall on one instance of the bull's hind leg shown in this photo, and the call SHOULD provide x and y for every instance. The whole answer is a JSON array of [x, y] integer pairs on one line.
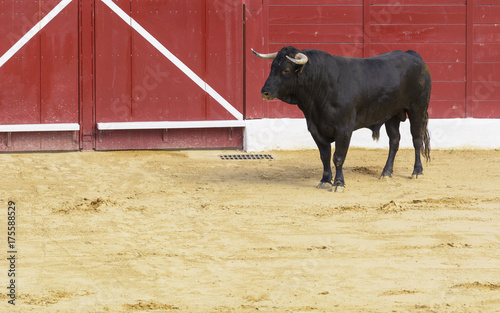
[[392, 129], [418, 128]]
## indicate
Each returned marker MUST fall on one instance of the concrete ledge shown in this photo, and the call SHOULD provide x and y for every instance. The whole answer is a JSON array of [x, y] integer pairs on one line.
[[289, 134]]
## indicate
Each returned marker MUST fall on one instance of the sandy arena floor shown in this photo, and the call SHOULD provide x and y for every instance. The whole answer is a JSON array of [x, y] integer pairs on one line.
[[170, 231]]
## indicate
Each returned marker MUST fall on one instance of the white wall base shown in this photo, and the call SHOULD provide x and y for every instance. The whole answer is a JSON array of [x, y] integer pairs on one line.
[[292, 134]]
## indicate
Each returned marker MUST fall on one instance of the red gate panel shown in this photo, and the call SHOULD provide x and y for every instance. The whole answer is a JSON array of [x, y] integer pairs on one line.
[[153, 87], [224, 56], [20, 75], [161, 91], [39, 75], [113, 101], [59, 65]]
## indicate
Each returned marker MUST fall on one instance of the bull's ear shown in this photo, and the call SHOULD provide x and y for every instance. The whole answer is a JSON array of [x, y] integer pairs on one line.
[[300, 69]]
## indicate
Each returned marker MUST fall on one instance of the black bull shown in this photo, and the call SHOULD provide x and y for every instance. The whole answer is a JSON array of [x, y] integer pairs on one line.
[[339, 95]]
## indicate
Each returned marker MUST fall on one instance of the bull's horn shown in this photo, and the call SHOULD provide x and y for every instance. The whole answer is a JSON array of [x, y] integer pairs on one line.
[[265, 56], [300, 58]]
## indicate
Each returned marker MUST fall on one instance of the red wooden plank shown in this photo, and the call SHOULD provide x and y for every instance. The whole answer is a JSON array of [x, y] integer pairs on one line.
[[447, 71], [20, 141], [309, 2], [435, 14], [416, 2], [430, 52], [344, 49], [487, 33], [112, 65], [224, 56], [310, 14], [225, 138], [59, 141], [447, 108], [487, 14], [38, 141], [279, 109], [172, 95], [59, 66], [486, 90], [418, 33], [20, 75], [486, 52], [448, 90], [315, 33], [484, 109], [178, 139], [171, 139], [486, 2], [486, 71]]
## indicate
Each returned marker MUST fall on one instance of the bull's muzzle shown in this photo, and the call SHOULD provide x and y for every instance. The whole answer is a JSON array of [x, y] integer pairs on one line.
[[266, 95]]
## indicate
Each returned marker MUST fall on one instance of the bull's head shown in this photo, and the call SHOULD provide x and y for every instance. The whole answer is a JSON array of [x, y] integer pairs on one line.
[[283, 79]]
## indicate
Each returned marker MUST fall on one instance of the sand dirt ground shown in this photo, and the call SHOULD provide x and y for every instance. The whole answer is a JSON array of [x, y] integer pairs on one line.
[[184, 231]]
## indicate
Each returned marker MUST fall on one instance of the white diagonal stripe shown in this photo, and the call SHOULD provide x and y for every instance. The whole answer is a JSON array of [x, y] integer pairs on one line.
[[186, 70], [33, 31]]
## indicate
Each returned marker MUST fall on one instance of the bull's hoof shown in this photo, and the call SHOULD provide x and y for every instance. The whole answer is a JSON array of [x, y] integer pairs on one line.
[[324, 185], [338, 189], [416, 175], [385, 176]]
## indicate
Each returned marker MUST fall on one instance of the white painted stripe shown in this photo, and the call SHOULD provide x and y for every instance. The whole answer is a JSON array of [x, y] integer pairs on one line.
[[169, 125], [192, 75], [33, 31], [17, 128]]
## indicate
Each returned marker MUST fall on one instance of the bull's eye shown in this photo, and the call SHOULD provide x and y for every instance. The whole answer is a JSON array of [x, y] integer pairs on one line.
[[285, 71]]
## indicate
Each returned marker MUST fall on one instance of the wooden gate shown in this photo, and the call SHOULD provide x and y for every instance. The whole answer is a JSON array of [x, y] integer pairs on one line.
[[168, 74], [102, 74], [39, 75]]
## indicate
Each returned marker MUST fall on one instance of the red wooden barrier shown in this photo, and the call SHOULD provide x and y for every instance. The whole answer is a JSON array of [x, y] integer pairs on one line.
[[102, 74]]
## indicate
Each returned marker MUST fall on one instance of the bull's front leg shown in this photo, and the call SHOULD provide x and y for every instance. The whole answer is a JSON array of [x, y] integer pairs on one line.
[[325, 152], [341, 147]]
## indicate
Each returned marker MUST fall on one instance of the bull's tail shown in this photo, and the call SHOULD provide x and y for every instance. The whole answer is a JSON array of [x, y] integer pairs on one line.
[[426, 151]]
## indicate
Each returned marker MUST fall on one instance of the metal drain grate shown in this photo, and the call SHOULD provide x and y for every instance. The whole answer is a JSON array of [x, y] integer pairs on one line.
[[246, 157]]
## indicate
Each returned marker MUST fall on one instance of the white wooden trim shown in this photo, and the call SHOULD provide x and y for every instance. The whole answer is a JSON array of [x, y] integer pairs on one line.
[[170, 125], [17, 128]]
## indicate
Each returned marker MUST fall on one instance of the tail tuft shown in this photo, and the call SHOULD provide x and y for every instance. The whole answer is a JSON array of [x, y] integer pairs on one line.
[[426, 151]]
